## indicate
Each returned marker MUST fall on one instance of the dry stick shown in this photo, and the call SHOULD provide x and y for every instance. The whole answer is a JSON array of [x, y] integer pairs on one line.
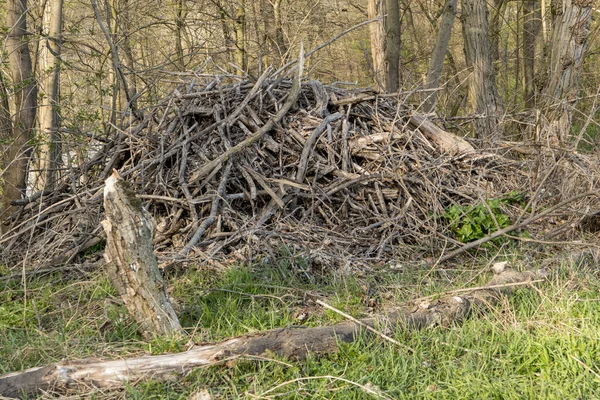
[[585, 366], [116, 62], [175, 148], [469, 290], [253, 92], [291, 100], [367, 389], [261, 181], [303, 163], [513, 227], [300, 60], [366, 326], [213, 213]]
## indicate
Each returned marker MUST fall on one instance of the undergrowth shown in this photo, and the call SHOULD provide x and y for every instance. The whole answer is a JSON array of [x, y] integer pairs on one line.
[[539, 343]]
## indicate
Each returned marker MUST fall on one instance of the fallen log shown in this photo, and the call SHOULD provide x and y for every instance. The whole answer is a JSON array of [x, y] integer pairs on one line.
[[447, 141], [293, 343]]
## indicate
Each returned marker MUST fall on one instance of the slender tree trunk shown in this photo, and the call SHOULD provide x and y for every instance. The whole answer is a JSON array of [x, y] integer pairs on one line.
[[483, 92], [5, 117], [276, 32], [518, 40], [499, 6], [377, 35], [531, 29], [124, 22], [570, 31], [49, 153], [385, 43], [241, 58], [227, 36], [16, 154], [179, 25], [392, 45], [439, 53], [6, 132]]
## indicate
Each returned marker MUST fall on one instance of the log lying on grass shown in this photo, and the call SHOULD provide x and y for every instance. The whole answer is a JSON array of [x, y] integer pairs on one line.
[[294, 343]]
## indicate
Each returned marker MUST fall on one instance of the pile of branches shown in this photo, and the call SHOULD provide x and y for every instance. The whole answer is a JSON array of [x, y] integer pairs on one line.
[[238, 170]]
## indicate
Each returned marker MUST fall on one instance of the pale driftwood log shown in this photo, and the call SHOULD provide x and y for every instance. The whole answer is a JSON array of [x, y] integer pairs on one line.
[[448, 142], [294, 343], [131, 263]]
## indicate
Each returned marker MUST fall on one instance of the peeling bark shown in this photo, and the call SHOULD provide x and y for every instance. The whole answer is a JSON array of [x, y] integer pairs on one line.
[[132, 265]]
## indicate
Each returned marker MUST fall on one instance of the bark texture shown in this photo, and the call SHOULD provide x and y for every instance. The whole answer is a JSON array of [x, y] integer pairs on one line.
[[439, 53], [392, 45], [294, 343], [570, 32], [377, 37], [483, 92], [132, 265], [16, 153], [49, 152], [531, 29], [385, 43]]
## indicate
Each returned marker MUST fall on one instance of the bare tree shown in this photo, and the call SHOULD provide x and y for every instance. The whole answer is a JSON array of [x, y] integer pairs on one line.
[[17, 152], [241, 57], [531, 29], [483, 92], [385, 43], [179, 27], [570, 31], [49, 152], [439, 52], [377, 35]]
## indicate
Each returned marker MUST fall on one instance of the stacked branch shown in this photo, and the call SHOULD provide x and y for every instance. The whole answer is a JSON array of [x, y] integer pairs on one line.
[[223, 166]]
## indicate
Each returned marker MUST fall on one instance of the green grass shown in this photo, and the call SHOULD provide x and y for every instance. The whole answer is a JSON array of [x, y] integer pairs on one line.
[[541, 343]]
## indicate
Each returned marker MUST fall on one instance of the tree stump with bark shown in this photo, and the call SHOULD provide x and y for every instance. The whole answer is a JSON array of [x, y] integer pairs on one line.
[[132, 265]]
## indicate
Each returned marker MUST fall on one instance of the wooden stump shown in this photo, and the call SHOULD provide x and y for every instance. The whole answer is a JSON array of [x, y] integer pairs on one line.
[[132, 265]]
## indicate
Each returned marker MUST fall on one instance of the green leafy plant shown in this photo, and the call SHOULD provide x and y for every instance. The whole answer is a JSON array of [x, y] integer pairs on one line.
[[473, 222]]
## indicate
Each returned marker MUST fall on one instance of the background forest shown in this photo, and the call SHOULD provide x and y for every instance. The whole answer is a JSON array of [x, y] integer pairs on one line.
[[91, 65]]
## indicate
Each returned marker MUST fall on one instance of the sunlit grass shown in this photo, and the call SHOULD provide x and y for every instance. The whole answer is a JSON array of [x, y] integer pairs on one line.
[[538, 343]]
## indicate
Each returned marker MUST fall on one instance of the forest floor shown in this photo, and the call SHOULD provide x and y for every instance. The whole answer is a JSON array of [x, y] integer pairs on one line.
[[541, 342]]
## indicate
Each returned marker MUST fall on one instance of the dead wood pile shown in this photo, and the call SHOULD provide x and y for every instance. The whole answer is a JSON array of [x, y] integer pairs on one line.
[[343, 173]]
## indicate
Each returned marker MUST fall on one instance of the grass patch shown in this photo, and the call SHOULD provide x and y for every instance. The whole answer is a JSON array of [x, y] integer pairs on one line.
[[539, 343]]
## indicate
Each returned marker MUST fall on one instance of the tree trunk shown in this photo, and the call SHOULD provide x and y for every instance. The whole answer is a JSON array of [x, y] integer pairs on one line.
[[179, 24], [392, 45], [439, 53], [49, 153], [531, 29], [5, 140], [499, 6], [483, 92], [385, 43], [241, 58], [570, 31], [132, 265], [277, 35], [377, 36], [17, 152]]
